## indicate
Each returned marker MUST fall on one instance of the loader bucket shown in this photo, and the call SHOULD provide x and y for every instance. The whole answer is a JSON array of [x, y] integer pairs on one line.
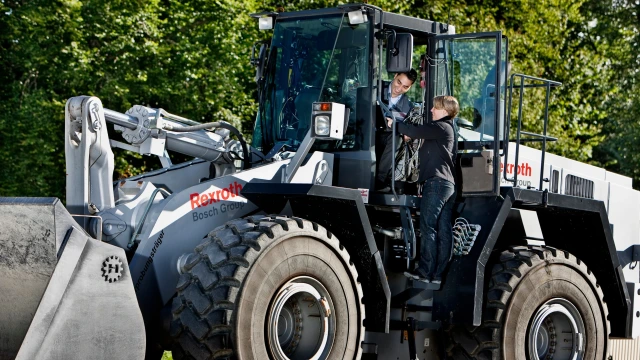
[[63, 295]]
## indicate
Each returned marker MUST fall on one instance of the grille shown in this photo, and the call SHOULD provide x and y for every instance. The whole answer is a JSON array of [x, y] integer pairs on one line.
[[555, 181], [577, 186]]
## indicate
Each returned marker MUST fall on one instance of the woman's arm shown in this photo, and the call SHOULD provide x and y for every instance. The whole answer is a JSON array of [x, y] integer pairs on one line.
[[432, 131]]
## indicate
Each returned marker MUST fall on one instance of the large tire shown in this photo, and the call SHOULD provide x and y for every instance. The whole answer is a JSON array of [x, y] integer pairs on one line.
[[241, 279], [538, 299]]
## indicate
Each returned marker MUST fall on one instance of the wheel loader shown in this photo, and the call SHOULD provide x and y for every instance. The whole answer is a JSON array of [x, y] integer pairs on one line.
[[283, 248]]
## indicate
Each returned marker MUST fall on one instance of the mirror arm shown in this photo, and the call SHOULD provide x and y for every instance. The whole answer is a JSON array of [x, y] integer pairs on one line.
[[385, 34], [392, 43]]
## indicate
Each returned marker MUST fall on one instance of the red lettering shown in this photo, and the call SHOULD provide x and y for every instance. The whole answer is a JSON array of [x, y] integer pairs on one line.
[[523, 169], [195, 200], [204, 199]]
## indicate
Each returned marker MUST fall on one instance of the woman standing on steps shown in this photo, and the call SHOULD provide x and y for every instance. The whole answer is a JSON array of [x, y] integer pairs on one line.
[[437, 159]]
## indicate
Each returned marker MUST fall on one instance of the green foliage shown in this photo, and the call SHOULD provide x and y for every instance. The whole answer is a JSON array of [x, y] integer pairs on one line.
[[614, 32], [189, 57], [192, 58]]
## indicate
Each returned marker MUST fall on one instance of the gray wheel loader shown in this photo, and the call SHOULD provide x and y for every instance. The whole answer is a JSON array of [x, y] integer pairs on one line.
[[283, 248]]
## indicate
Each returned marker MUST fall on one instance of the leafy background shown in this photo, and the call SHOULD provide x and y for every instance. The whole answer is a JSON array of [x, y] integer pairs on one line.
[[191, 57]]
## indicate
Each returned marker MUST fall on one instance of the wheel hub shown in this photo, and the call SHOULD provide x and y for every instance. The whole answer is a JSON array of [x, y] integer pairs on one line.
[[556, 332], [300, 324]]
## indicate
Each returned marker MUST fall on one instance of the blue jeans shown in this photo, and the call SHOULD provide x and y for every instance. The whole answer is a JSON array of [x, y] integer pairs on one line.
[[436, 237]]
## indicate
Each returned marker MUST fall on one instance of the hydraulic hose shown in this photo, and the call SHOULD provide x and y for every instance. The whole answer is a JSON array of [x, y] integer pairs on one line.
[[136, 231], [216, 124]]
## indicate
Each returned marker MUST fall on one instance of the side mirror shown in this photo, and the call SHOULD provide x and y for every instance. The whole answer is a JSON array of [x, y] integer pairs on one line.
[[259, 60], [399, 53]]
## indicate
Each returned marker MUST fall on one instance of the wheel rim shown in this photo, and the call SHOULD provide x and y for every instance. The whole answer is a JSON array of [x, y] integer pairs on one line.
[[556, 332], [301, 321]]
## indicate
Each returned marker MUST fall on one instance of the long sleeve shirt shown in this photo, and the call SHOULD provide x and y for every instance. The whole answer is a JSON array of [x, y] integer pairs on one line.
[[437, 153]]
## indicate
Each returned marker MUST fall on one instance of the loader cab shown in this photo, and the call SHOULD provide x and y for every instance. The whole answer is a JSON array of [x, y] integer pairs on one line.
[[314, 56], [347, 54]]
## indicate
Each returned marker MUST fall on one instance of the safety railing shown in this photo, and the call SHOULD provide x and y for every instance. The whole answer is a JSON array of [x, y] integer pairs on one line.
[[533, 82]]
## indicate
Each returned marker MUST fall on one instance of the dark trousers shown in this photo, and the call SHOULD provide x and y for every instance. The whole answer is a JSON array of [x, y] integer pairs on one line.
[[436, 237], [386, 159]]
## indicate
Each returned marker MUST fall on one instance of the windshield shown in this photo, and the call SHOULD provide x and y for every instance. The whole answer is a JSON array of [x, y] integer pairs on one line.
[[311, 59]]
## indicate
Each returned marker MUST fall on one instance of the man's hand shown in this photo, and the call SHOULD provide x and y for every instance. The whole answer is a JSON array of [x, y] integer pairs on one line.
[[389, 122], [406, 138]]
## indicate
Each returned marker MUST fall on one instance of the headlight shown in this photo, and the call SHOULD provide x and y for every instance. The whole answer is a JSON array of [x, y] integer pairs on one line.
[[328, 120], [323, 125]]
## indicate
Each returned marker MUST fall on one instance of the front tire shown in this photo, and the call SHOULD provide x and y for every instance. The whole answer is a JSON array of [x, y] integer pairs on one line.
[[268, 288], [541, 303]]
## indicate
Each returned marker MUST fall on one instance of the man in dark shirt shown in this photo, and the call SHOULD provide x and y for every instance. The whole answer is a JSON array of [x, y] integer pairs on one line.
[[397, 102], [437, 166]]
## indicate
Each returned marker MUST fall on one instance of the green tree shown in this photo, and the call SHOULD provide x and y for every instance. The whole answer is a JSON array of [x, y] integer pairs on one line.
[[614, 29], [190, 58]]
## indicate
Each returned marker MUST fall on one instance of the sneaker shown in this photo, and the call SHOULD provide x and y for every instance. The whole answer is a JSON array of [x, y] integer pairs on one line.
[[436, 281], [417, 276]]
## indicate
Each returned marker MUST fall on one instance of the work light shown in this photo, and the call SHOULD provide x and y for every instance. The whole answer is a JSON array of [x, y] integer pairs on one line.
[[328, 120]]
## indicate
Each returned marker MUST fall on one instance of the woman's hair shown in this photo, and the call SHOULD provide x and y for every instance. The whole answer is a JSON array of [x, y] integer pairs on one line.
[[448, 103]]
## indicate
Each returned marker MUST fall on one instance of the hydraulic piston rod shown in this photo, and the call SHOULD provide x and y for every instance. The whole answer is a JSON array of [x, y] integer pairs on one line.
[[124, 120]]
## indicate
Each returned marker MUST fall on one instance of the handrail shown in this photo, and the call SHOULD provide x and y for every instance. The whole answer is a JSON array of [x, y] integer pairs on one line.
[[549, 138], [547, 84]]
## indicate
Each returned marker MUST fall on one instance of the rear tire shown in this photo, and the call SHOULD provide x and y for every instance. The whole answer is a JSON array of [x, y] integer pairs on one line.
[[253, 273], [539, 299]]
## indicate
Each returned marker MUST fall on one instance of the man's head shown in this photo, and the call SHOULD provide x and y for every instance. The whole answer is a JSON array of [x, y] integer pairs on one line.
[[402, 82], [444, 106]]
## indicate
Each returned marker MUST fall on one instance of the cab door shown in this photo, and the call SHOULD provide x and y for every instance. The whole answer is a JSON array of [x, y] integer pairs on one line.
[[473, 68]]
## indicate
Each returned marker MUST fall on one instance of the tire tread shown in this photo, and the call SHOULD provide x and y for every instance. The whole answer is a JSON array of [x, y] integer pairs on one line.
[[512, 265], [206, 294]]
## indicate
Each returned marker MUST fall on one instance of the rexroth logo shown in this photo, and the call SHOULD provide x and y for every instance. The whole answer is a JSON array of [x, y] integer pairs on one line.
[[209, 198], [523, 169]]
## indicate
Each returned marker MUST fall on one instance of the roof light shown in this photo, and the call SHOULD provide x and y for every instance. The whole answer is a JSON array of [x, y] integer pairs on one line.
[[357, 17], [265, 23]]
